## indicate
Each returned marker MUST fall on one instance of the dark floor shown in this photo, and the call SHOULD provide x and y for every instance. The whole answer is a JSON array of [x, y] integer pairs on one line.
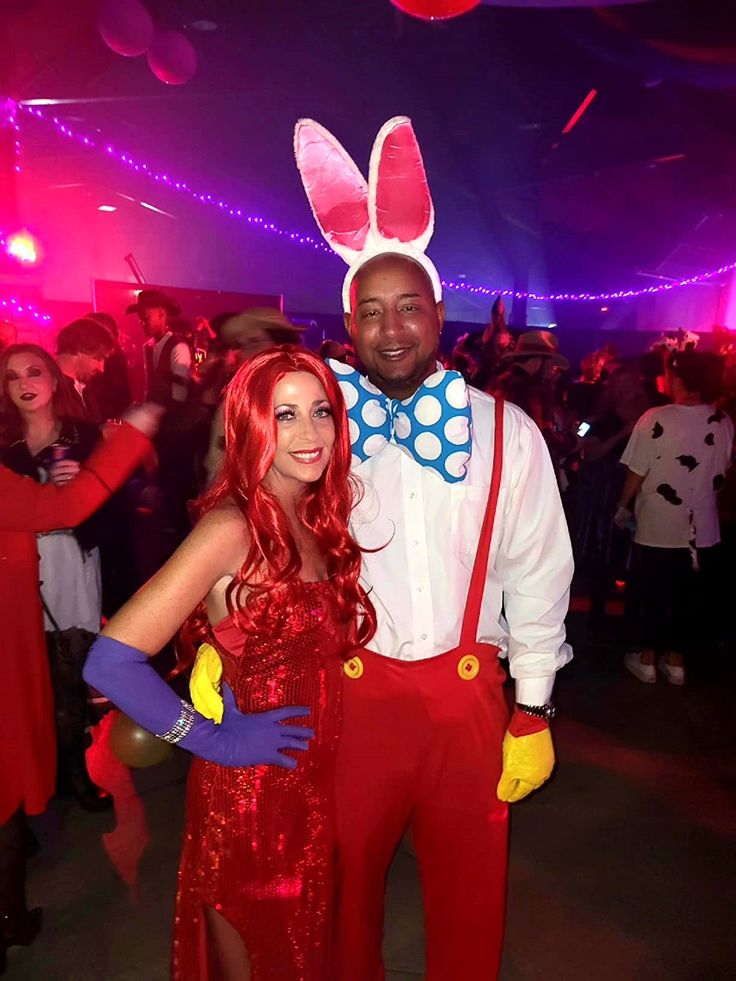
[[622, 868]]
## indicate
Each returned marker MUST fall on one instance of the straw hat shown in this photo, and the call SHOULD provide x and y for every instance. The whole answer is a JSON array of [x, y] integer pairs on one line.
[[254, 321], [536, 344]]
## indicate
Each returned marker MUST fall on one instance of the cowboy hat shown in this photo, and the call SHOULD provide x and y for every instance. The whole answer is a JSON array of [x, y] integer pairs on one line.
[[537, 344], [254, 321], [154, 298]]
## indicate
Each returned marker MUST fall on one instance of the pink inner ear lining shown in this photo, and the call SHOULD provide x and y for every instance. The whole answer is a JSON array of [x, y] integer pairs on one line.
[[403, 202], [335, 187]]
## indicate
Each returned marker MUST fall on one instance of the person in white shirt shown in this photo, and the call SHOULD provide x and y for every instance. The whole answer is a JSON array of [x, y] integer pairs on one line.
[[167, 356], [424, 715], [467, 558], [169, 382], [82, 348], [677, 457]]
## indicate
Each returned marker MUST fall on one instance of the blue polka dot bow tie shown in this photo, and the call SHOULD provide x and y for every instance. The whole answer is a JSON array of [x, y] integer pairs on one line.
[[434, 426]]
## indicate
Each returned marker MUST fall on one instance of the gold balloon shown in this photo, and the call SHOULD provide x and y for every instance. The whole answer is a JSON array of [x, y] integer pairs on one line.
[[135, 746]]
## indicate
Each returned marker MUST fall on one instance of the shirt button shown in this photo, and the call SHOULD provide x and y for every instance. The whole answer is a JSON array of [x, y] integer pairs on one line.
[[416, 541], [412, 496], [424, 636]]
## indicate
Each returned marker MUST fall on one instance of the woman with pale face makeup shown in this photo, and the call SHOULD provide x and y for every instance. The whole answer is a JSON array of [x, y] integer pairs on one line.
[[270, 577], [31, 399], [46, 442]]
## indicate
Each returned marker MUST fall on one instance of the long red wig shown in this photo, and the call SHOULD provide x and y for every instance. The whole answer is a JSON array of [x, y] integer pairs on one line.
[[268, 585]]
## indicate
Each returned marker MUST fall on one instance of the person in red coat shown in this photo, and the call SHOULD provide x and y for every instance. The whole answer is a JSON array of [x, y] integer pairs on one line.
[[27, 740]]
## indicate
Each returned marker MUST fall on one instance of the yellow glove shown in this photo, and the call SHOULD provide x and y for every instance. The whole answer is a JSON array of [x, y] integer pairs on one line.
[[527, 763], [204, 683]]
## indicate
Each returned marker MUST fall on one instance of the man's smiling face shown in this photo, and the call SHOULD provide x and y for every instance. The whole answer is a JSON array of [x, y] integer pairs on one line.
[[395, 323]]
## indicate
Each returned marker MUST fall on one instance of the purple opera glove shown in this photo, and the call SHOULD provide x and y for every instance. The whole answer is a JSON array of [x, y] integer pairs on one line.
[[124, 675]]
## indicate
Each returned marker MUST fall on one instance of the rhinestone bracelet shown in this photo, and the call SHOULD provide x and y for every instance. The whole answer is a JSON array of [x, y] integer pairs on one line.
[[183, 725]]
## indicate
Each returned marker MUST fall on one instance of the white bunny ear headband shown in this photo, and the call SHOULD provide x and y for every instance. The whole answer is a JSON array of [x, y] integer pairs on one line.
[[390, 213]]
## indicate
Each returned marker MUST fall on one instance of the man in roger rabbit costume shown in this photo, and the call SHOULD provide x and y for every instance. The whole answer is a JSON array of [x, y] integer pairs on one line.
[[472, 559], [468, 558]]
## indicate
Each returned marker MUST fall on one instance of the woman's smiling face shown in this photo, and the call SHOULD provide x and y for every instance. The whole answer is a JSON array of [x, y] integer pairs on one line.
[[305, 432]]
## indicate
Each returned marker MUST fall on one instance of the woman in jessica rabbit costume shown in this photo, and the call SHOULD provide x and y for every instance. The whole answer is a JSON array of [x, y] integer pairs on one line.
[[461, 519], [273, 573], [460, 490]]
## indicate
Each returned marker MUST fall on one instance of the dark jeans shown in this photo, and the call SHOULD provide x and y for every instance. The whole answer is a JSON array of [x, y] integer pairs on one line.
[[68, 651], [176, 479], [675, 603]]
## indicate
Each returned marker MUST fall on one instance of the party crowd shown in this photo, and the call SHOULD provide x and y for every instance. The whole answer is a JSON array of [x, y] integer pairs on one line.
[[362, 562], [640, 448]]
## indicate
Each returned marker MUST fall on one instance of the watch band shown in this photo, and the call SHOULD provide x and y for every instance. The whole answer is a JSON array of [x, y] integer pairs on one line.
[[546, 712]]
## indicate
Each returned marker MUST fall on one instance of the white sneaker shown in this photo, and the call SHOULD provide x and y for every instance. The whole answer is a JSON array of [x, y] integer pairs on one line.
[[674, 673], [644, 672]]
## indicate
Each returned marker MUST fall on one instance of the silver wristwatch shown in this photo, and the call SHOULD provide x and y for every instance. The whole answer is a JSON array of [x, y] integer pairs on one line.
[[546, 712]]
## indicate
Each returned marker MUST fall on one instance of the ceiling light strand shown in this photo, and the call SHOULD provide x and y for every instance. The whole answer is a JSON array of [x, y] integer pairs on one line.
[[173, 183], [298, 238]]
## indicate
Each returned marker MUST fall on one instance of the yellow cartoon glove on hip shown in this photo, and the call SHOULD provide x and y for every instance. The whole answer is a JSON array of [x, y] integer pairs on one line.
[[528, 762], [204, 683]]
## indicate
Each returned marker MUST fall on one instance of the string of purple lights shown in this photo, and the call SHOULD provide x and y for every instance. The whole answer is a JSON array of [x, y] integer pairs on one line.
[[11, 109], [172, 183], [10, 304], [592, 297], [239, 213]]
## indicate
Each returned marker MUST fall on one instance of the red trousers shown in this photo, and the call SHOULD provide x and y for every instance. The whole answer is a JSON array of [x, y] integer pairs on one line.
[[421, 749]]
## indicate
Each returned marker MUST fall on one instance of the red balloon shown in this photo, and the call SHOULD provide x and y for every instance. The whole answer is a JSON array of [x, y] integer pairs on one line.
[[126, 27], [172, 57], [435, 9]]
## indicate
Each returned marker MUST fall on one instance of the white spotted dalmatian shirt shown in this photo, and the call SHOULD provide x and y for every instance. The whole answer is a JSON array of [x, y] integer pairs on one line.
[[683, 452]]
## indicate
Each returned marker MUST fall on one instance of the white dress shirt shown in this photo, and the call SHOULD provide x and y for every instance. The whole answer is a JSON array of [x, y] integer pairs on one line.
[[180, 364], [430, 530]]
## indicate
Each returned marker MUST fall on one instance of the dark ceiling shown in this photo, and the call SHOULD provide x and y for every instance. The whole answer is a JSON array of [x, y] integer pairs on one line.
[[643, 186]]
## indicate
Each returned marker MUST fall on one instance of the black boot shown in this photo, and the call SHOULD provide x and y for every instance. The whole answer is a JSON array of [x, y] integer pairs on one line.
[[33, 845], [68, 651], [18, 924]]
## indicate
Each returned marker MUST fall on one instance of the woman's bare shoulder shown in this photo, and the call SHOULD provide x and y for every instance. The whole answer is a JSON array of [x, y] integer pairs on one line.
[[224, 515], [225, 522]]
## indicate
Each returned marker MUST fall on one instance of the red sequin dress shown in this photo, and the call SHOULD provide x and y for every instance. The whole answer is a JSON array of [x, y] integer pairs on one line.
[[258, 841]]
